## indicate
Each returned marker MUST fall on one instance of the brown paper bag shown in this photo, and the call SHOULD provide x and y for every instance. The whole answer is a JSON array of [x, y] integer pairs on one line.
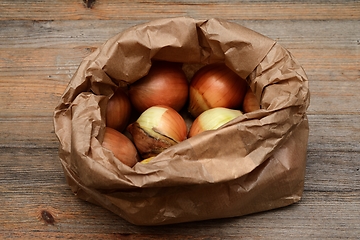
[[254, 163]]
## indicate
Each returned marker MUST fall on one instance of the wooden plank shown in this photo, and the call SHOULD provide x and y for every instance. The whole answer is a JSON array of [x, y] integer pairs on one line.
[[338, 64], [64, 34], [59, 34], [28, 132], [334, 170], [33, 98], [315, 218], [333, 97], [334, 133], [135, 10], [23, 62], [33, 181]]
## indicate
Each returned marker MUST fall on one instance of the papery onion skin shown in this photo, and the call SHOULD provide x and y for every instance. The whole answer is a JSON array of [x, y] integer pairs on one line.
[[118, 111], [165, 84], [250, 102], [157, 128], [121, 146], [215, 85], [212, 119]]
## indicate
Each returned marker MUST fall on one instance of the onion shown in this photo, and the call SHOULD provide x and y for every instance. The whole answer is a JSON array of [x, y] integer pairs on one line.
[[157, 128], [250, 102], [118, 111], [121, 146], [165, 84], [215, 85], [212, 119]]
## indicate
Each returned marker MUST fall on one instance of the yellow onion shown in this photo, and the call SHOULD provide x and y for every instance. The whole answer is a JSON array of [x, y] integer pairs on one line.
[[157, 128], [165, 84], [121, 146], [215, 85], [212, 119], [118, 111], [250, 102]]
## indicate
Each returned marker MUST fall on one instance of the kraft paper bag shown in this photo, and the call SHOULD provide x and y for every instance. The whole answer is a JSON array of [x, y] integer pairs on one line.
[[254, 163]]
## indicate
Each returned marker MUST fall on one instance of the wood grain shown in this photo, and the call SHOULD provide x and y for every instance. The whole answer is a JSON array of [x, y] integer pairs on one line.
[[326, 203], [135, 10], [43, 42]]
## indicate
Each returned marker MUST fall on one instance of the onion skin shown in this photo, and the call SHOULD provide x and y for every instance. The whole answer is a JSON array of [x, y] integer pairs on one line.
[[118, 111], [212, 119], [165, 84], [250, 102], [121, 146], [157, 128], [215, 85]]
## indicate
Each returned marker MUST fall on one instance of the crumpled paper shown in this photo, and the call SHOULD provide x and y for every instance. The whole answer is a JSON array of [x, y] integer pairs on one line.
[[254, 163]]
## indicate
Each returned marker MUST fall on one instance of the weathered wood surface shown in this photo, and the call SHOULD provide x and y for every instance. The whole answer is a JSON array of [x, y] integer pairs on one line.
[[42, 44]]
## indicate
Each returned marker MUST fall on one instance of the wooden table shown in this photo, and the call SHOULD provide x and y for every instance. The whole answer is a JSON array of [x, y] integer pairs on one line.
[[41, 46]]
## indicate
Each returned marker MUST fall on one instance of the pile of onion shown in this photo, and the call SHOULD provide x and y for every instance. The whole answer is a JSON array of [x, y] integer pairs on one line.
[[215, 96]]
